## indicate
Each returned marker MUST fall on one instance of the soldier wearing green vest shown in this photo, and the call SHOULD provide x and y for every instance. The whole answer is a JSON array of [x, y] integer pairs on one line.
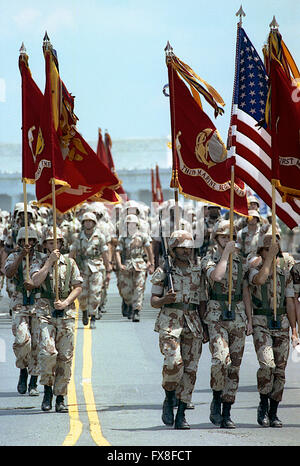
[[56, 319], [271, 338], [227, 328], [25, 326]]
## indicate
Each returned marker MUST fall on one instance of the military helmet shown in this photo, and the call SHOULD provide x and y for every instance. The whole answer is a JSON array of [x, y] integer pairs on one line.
[[265, 237], [31, 234], [89, 216], [253, 213], [181, 239], [252, 199], [49, 234], [131, 218], [222, 227]]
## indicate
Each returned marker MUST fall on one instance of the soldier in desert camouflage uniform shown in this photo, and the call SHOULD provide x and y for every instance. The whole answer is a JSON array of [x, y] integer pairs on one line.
[[56, 319], [25, 325], [271, 343], [130, 257], [179, 326], [295, 272], [247, 237], [227, 332], [91, 253]]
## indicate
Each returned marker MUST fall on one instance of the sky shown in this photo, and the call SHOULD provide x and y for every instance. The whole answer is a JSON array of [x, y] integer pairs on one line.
[[111, 56]]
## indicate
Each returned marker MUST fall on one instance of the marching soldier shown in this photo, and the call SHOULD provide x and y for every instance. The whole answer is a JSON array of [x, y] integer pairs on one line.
[[130, 257], [271, 339], [247, 237], [25, 326], [213, 217], [179, 326], [91, 253], [56, 318], [227, 328]]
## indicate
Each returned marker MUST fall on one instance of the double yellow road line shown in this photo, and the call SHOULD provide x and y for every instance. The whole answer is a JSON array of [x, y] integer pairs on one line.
[[75, 422]]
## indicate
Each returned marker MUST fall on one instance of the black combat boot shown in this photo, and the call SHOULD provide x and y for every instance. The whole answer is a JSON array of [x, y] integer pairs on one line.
[[22, 383], [93, 322], [262, 411], [60, 406], [32, 387], [129, 312], [85, 317], [274, 421], [180, 421], [215, 408], [227, 423], [47, 400], [124, 309], [167, 409], [136, 316]]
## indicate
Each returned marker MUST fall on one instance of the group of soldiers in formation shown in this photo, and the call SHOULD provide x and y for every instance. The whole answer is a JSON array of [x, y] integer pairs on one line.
[[190, 286]]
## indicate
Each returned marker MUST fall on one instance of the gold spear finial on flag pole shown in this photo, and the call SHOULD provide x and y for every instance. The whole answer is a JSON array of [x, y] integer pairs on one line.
[[273, 24], [169, 54], [240, 13]]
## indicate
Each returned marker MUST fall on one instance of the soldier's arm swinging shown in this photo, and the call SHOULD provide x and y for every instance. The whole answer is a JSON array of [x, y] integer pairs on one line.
[[248, 309], [291, 313]]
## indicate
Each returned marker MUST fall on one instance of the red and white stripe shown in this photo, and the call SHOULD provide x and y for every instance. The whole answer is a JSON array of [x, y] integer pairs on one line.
[[251, 147]]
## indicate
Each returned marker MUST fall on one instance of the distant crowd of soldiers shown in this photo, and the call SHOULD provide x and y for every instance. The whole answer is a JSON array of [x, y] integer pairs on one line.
[[45, 276]]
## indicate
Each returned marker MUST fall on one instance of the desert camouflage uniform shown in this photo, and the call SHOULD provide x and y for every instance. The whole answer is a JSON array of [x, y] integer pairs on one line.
[[56, 327], [25, 324], [271, 345], [226, 338], [180, 330], [92, 269], [247, 242], [132, 280]]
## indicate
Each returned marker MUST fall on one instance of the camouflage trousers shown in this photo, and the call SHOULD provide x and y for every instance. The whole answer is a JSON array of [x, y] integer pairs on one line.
[[25, 328], [181, 358], [56, 352], [90, 297], [131, 285], [226, 344], [104, 289], [272, 350]]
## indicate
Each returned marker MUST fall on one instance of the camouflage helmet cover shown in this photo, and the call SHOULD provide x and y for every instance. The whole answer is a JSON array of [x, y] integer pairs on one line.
[[181, 239], [31, 234], [49, 234], [222, 227], [89, 216], [253, 213], [131, 218]]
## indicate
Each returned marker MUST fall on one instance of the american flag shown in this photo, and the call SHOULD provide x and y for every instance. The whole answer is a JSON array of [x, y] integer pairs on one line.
[[248, 141]]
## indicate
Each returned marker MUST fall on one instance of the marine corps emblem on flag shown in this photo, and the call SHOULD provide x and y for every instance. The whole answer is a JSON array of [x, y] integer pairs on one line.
[[209, 148]]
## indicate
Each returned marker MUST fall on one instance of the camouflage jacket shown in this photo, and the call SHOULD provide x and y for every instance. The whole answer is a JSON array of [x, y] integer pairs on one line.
[[189, 289], [45, 304], [214, 289], [89, 251], [132, 250]]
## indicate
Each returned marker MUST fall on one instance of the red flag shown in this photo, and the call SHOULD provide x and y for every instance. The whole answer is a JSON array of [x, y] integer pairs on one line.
[[32, 99], [285, 130], [65, 156], [111, 165], [159, 193], [199, 168], [153, 186]]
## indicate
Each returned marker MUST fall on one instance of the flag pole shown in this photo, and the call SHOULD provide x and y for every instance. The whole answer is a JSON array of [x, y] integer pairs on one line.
[[275, 258], [26, 228], [231, 236], [55, 236]]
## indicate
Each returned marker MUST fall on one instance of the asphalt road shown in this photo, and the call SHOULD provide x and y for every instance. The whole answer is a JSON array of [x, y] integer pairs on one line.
[[115, 394]]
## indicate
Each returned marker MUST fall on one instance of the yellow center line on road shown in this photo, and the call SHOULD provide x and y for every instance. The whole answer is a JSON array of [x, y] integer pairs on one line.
[[75, 423], [95, 428]]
